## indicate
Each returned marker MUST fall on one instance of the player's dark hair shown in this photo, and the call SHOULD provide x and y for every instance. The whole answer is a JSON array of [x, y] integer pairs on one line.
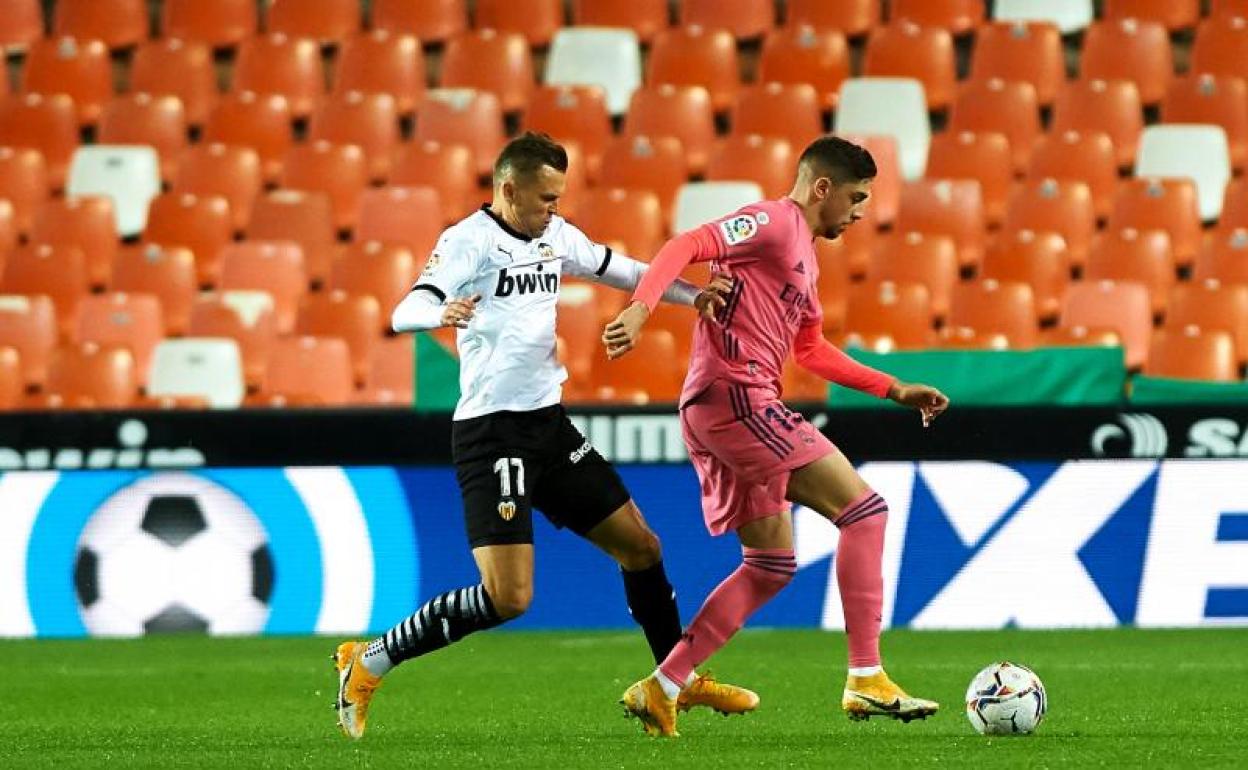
[[525, 155], [838, 159]]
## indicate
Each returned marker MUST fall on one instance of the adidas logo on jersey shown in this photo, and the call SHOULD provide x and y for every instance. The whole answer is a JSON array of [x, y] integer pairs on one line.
[[525, 283]]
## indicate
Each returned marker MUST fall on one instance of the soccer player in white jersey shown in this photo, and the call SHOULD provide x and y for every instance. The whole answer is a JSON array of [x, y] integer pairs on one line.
[[495, 276]]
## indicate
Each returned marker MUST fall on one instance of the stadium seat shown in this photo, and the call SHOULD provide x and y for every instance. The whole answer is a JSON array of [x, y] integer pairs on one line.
[[277, 65], [21, 24], [577, 113], [1144, 257], [697, 56], [201, 224], [952, 207], [158, 122], [43, 123], [1210, 304], [117, 23], [745, 19], [1121, 306], [302, 217], [996, 309], [207, 367], [609, 58], [1234, 206], [1026, 51], [338, 170], [959, 17], [91, 376], [57, 271], [891, 107], [930, 259], [653, 368], [407, 215], [381, 62], [804, 54], [326, 21], [28, 325], [1220, 47], [1228, 8], [766, 161], [11, 384], [1038, 259], [313, 368], [448, 168], [656, 164], [536, 20], [1008, 108], [221, 23], [87, 222], [178, 68], [832, 285], [1086, 157], [906, 50], [391, 373], [1111, 106], [631, 218], [1080, 336], [130, 176], [646, 18], [1192, 353], [701, 202], [276, 267], [471, 118], [850, 17], [1174, 14], [368, 121], [785, 110], [383, 271], [1212, 99], [886, 187], [230, 171], [1224, 257], [983, 157], [1168, 204], [251, 120], [131, 321], [859, 242], [1129, 49], [1055, 205], [491, 61], [8, 230], [1197, 151], [431, 21], [353, 317], [245, 317], [79, 69], [683, 112], [165, 272], [580, 330], [1069, 16], [888, 316], [23, 183]]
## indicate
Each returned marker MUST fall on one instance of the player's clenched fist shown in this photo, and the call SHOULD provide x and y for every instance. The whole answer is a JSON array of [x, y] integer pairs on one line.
[[714, 297], [458, 312], [621, 334]]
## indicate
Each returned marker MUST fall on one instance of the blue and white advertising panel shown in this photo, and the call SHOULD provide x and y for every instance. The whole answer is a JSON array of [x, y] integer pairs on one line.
[[346, 550]]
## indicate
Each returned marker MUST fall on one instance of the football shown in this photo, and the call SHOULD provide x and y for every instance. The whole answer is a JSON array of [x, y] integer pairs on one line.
[[173, 552], [1006, 699]]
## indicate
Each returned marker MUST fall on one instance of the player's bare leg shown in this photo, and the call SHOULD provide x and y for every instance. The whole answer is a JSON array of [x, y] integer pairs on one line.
[[832, 487]]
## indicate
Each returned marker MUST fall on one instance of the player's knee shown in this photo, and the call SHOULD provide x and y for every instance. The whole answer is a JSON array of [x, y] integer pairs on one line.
[[642, 552], [511, 600]]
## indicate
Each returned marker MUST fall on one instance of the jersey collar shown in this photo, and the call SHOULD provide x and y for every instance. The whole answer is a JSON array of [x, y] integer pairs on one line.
[[513, 232]]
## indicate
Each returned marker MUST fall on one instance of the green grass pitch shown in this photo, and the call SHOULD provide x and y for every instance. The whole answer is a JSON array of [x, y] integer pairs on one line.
[[522, 699]]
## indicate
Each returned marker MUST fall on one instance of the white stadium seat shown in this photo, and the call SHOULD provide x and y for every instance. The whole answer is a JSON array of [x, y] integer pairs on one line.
[[1069, 16], [1193, 150], [597, 56], [198, 366], [895, 107], [700, 202], [129, 174]]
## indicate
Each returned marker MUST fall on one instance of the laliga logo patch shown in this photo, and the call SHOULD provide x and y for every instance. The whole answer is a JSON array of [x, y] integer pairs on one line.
[[507, 509], [739, 229]]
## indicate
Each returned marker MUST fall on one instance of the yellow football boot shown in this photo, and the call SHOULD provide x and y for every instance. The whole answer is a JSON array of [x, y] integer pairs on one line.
[[877, 695], [723, 698], [356, 685], [647, 701]]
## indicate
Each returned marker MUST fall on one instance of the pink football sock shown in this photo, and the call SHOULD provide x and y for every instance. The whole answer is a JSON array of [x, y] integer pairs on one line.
[[859, 577], [763, 572]]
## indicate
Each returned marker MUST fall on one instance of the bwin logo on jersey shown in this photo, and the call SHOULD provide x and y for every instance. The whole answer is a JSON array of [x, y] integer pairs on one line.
[[525, 283], [1146, 436]]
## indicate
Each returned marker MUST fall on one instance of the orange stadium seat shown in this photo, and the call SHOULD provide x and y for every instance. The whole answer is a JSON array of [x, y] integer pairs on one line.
[[631, 218], [683, 112], [859, 242], [11, 384], [432, 21], [1111, 106], [221, 23], [906, 50], [406, 215], [575, 181], [645, 17], [1038, 259], [278, 65], [156, 121], [91, 376], [383, 271], [1086, 157], [653, 367], [472, 118], [58, 271], [304, 218], [259, 122], [580, 330], [573, 112], [338, 170], [833, 282], [1080, 336], [1055, 205], [200, 223], [1004, 107], [80, 69], [1225, 8], [131, 321], [697, 56], [448, 168], [167, 273], [180, 68], [353, 317], [1192, 353], [313, 368], [656, 164], [235, 315], [803, 54], [1221, 47], [117, 23], [888, 316], [1168, 204], [1144, 257], [1215, 99], [276, 267], [958, 16], [929, 259], [536, 20], [23, 182], [1234, 206], [391, 372], [8, 230], [886, 188], [785, 110], [850, 17], [327, 21], [1174, 14], [745, 19], [994, 308], [229, 171], [21, 24], [28, 325], [381, 62], [369, 121], [492, 61], [952, 207], [1026, 51], [86, 222], [1212, 304], [984, 157], [1129, 49], [765, 160], [1224, 256], [1121, 306]]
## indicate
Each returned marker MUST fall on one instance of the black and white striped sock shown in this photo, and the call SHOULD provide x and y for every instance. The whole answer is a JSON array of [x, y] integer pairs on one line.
[[440, 621]]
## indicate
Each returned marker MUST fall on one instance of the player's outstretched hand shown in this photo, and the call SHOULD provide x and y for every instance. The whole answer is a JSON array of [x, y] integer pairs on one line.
[[714, 297], [622, 334], [930, 402], [458, 312]]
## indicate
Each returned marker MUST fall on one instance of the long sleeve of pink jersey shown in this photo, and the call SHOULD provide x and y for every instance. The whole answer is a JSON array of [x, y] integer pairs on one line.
[[821, 357], [697, 245]]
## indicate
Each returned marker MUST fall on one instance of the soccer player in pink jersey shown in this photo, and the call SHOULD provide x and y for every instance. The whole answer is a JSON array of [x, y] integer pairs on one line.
[[752, 454]]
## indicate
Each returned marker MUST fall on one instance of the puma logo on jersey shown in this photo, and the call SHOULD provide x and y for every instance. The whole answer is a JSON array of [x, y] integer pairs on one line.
[[525, 283]]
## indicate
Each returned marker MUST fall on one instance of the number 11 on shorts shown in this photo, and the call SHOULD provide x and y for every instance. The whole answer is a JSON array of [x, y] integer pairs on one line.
[[503, 469]]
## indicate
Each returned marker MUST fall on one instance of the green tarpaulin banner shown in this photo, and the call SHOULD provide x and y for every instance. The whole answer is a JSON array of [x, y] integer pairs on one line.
[[437, 376], [1153, 391]]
